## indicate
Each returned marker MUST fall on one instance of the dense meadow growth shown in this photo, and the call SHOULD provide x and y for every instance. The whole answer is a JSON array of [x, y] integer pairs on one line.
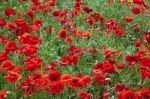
[[74, 49]]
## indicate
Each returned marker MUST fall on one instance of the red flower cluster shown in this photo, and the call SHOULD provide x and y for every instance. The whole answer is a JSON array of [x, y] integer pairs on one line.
[[72, 50]]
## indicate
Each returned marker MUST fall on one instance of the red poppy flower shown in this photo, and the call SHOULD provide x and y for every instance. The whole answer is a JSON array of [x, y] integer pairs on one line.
[[86, 80], [7, 66], [74, 50], [17, 69], [54, 76], [69, 39], [142, 53], [28, 49], [21, 30], [33, 7], [38, 22], [140, 2], [101, 79], [12, 77], [108, 68], [11, 26], [55, 87], [87, 9], [10, 11], [3, 39], [75, 12], [105, 94], [38, 79], [136, 10], [74, 82], [120, 32], [33, 28], [79, 75], [145, 67], [33, 83], [86, 34], [119, 87], [3, 93], [30, 90], [30, 13], [65, 77], [128, 19], [3, 56], [111, 23], [129, 94], [132, 58], [69, 60], [2, 22], [120, 65], [145, 61], [52, 2], [147, 36], [97, 66], [20, 22], [56, 13], [63, 33], [143, 93], [11, 46], [138, 43], [109, 52], [51, 65], [42, 6], [33, 64], [77, 32], [30, 39], [136, 28], [27, 87], [36, 2], [46, 10], [84, 95]]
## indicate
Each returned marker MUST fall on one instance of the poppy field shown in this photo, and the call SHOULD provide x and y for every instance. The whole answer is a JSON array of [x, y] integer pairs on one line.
[[74, 49]]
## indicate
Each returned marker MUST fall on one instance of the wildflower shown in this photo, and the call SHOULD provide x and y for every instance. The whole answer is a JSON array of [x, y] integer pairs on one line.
[[4, 93], [54, 76], [85, 80], [138, 43], [33, 64], [39, 79], [3, 56], [10, 11], [87, 9], [74, 82], [84, 95], [30, 13], [63, 33], [69, 60], [136, 10], [11, 46], [66, 77], [28, 50], [145, 67], [20, 22], [11, 26], [128, 19], [129, 94], [2, 22], [56, 13], [55, 87], [12, 77], [7, 66], [143, 93]]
